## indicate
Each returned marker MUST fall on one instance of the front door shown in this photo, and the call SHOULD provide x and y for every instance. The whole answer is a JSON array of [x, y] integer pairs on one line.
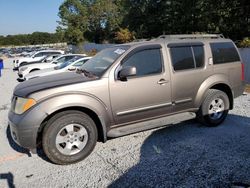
[[146, 95]]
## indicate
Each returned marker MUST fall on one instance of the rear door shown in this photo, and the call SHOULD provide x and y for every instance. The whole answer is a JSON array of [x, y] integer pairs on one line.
[[188, 64], [146, 95]]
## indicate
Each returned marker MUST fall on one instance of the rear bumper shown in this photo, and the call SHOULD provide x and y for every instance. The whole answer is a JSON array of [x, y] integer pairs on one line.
[[238, 90]]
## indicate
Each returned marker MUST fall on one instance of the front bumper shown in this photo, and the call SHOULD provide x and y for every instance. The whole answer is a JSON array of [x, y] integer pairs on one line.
[[23, 130]]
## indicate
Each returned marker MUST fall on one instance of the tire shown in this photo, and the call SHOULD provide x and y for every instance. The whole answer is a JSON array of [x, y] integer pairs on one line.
[[69, 137], [33, 70], [214, 108]]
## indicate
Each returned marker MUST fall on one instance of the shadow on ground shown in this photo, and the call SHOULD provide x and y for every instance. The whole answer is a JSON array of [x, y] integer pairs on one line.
[[9, 178], [191, 155]]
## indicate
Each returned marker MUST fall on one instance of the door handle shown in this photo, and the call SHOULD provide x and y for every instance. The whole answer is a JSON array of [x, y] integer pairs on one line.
[[162, 81]]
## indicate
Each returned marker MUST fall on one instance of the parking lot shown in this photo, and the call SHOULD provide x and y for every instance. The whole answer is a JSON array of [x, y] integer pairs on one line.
[[184, 155]]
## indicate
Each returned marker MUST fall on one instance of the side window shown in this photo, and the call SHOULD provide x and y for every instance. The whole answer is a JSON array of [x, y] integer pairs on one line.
[[61, 60], [53, 53], [199, 56], [68, 58], [182, 58], [80, 63], [187, 57], [39, 54], [224, 52], [146, 62]]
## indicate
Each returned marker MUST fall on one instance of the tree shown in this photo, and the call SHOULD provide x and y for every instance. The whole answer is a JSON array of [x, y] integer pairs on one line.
[[100, 20], [124, 36], [95, 20], [73, 14], [103, 19]]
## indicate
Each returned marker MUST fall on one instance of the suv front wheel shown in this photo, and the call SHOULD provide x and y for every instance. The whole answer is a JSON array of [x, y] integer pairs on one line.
[[214, 108], [69, 137]]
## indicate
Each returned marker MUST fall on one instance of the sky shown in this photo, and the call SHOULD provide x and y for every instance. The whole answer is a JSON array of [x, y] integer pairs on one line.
[[28, 16]]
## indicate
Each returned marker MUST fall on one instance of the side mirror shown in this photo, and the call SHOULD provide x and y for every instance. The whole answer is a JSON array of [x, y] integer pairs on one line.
[[55, 62], [126, 72]]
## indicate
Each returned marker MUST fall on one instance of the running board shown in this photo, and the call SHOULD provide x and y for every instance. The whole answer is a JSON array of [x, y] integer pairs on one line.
[[151, 124]]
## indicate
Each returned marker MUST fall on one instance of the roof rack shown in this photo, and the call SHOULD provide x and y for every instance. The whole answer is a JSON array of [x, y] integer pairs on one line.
[[192, 36]]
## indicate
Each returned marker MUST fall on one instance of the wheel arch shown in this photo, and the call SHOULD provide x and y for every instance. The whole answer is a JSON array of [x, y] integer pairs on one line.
[[35, 69], [101, 128], [96, 111], [219, 82]]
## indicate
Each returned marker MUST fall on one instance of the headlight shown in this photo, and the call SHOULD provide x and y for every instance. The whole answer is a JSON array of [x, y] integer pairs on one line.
[[21, 105], [23, 68]]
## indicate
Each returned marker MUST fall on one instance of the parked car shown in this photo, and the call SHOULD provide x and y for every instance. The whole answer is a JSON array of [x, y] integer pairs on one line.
[[126, 89], [70, 65], [45, 59], [24, 70], [36, 56]]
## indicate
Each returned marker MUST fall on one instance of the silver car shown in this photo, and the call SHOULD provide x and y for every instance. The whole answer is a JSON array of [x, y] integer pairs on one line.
[[126, 89]]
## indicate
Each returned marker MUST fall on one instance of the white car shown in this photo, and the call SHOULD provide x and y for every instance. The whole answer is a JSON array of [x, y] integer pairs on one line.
[[70, 65], [24, 70], [36, 56]]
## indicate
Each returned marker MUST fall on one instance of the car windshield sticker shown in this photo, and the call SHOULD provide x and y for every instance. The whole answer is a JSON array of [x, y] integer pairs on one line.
[[119, 51]]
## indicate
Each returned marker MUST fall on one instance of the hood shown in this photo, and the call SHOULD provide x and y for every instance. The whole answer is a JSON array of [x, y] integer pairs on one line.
[[38, 65], [39, 73], [31, 86]]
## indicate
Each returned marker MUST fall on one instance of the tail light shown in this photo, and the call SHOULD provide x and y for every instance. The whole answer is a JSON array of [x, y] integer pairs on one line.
[[242, 72]]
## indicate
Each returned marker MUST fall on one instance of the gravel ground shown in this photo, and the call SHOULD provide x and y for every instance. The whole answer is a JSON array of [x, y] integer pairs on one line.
[[184, 155]]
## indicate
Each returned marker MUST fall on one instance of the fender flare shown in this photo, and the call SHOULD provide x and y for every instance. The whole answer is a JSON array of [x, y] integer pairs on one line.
[[207, 84]]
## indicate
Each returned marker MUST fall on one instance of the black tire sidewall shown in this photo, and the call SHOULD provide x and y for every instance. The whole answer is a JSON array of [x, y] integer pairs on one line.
[[213, 94], [56, 124]]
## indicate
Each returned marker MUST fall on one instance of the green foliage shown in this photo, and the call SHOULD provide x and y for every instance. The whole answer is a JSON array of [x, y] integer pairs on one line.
[[100, 20], [94, 20], [34, 38], [151, 18], [103, 19], [245, 43], [73, 22], [124, 36]]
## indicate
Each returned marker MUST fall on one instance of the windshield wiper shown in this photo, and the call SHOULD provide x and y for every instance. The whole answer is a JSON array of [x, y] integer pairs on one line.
[[86, 73]]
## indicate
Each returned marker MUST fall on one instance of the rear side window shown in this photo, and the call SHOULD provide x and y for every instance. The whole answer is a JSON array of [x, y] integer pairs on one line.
[[224, 52], [182, 58], [187, 57], [199, 56]]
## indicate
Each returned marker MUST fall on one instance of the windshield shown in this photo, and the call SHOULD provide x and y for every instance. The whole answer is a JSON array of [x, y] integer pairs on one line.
[[32, 54], [103, 60], [65, 64]]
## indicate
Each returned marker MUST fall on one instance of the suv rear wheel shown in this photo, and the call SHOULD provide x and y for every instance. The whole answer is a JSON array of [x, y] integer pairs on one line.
[[214, 108], [69, 137]]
